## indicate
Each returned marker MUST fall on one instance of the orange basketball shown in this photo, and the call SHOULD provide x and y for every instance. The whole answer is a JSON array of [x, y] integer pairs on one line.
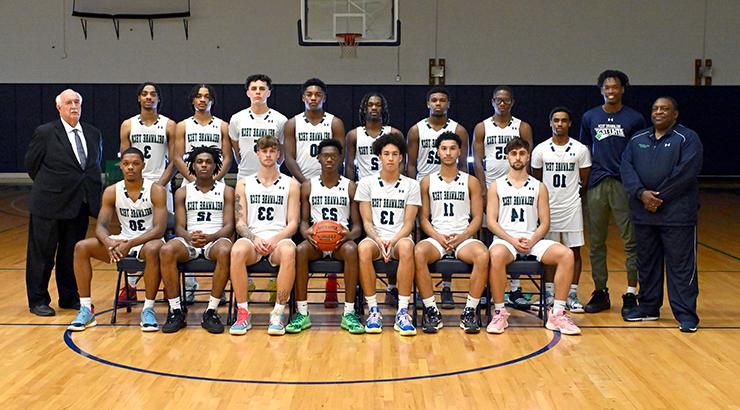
[[327, 234]]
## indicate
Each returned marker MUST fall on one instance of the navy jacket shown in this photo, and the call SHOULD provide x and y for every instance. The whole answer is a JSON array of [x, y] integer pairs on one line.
[[669, 166]]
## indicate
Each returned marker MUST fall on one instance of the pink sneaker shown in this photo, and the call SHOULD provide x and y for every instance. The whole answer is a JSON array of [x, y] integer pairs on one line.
[[498, 322], [562, 323]]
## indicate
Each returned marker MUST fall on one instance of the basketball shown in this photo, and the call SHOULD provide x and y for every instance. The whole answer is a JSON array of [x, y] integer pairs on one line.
[[327, 234]]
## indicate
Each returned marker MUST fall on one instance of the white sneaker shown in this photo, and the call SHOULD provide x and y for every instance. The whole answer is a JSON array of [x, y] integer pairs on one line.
[[573, 304]]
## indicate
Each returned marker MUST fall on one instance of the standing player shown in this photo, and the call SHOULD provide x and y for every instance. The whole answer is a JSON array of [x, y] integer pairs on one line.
[[452, 199], [141, 209], [254, 122], [328, 197], [267, 213], [564, 164], [204, 224], [374, 116], [490, 137], [606, 129], [515, 204], [423, 159], [202, 129], [389, 202]]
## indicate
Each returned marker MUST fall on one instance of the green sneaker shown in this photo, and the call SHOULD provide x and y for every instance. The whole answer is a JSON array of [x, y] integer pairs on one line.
[[351, 323], [299, 322]]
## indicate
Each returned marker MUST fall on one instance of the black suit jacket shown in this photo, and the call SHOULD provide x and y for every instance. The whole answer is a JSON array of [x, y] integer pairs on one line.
[[60, 184]]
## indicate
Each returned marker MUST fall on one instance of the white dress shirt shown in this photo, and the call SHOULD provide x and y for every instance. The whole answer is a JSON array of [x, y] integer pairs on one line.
[[71, 136]]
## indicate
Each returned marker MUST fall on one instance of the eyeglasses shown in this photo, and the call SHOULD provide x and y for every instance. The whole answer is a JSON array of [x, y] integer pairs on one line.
[[502, 100]]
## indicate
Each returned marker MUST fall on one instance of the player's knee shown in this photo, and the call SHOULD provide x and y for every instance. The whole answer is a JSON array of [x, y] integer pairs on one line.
[[239, 252], [349, 247], [81, 249], [365, 251], [481, 258], [405, 248]]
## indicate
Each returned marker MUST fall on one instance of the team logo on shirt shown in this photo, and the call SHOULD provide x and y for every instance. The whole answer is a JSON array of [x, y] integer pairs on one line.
[[603, 131]]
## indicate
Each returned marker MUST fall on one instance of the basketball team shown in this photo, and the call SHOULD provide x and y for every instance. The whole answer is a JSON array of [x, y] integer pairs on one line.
[[388, 196]]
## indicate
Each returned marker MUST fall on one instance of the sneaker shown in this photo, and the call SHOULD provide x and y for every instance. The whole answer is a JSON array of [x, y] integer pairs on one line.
[[685, 327], [272, 287], [351, 323], [498, 322], [573, 304], [250, 288], [84, 319], [374, 321], [638, 315], [447, 301], [212, 322], [190, 289], [277, 325], [148, 320], [391, 297], [127, 295], [299, 322], [629, 302], [243, 322], [223, 300], [469, 321], [549, 299], [175, 321], [599, 301], [518, 301], [403, 324], [562, 323], [431, 320], [330, 300]]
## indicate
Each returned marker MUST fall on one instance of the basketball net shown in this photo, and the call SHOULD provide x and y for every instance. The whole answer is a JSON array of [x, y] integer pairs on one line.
[[348, 44]]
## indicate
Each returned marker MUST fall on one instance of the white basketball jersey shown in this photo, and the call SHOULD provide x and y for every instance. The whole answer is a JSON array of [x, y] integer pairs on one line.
[[152, 141], [495, 163], [267, 206], [307, 139], [367, 162], [197, 135], [560, 173], [427, 161], [449, 203], [388, 201], [331, 204], [246, 127], [136, 218], [517, 207], [204, 211]]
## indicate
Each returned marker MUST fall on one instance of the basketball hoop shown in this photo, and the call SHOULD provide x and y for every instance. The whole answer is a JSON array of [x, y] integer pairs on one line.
[[348, 44]]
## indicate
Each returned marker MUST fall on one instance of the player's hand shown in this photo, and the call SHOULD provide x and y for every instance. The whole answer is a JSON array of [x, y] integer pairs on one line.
[[198, 239], [650, 200], [261, 246], [121, 250], [453, 241], [520, 245], [527, 243], [385, 249], [310, 239]]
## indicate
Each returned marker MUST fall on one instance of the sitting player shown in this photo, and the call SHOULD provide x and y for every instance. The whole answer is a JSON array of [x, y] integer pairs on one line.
[[204, 223], [453, 200], [141, 207], [515, 203], [267, 213], [389, 202], [328, 197]]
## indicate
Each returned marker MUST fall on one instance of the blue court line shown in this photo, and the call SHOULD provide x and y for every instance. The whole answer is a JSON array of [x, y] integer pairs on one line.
[[718, 251]]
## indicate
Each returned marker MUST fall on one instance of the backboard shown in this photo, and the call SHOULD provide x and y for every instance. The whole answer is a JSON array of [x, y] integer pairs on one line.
[[375, 20]]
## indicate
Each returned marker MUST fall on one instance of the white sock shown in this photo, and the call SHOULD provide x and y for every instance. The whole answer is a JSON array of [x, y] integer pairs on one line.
[[632, 290], [243, 305], [500, 307], [174, 303], [550, 287], [132, 281], [372, 301], [446, 284], [515, 284], [349, 308], [278, 309], [429, 302], [302, 307], [86, 302], [574, 288], [148, 303], [472, 302], [403, 302], [558, 306], [213, 303]]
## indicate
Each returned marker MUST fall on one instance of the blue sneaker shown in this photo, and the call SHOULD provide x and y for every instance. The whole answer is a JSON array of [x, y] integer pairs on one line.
[[149, 320], [638, 315], [84, 319], [374, 322], [403, 324], [687, 327], [243, 322], [277, 325]]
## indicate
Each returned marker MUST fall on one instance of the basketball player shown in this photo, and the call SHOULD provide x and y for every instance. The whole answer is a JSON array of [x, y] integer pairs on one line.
[[564, 164], [374, 117], [490, 137], [515, 204], [267, 213], [423, 159], [389, 202], [140, 205], [254, 122], [202, 129], [154, 135], [328, 197], [451, 213], [204, 222], [606, 130]]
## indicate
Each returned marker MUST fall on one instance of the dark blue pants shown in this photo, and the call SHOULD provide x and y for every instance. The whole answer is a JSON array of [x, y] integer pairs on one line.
[[675, 248]]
